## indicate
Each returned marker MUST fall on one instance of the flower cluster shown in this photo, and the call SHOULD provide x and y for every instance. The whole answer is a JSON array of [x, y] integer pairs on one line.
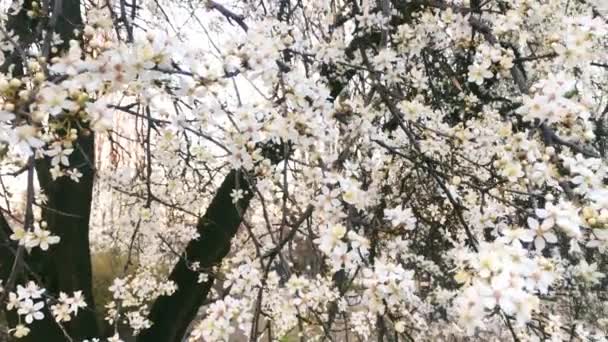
[[430, 170], [39, 237]]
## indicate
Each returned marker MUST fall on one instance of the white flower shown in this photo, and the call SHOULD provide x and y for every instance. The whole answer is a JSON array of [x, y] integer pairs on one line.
[[359, 242], [478, 73], [138, 322], [69, 64], [588, 272], [330, 237], [115, 338], [599, 196], [536, 107], [100, 115], [525, 304], [54, 99], [13, 301], [327, 201], [488, 263], [77, 302], [25, 139], [542, 277], [119, 288], [232, 64], [470, 310], [512, 170], [20, 331], [500, 292], [30, 291], [56, 172], [399, 216], [59, 155], [542, 232], [239, 157], [74, 174], [31, 310], [42, 238], [588, 177], [352, 193], [19, 234], [564, 215], [514, 235], [61, 312], [237, 195], [202, 278]]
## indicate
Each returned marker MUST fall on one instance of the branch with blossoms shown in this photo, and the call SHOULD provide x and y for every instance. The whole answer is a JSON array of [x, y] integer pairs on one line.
[[417, 170]]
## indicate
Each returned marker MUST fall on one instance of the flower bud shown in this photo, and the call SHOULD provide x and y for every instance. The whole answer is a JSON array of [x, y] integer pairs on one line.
[[15, 83]]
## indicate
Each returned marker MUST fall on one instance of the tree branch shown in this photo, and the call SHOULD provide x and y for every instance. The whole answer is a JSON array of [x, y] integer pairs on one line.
[[171, 315]]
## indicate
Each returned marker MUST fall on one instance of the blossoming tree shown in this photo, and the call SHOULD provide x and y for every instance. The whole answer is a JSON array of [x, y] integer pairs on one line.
[[397, 170]]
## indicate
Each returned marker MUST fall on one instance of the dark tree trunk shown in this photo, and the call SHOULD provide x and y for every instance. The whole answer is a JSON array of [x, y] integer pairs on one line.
[[66, 267], [171, 315]]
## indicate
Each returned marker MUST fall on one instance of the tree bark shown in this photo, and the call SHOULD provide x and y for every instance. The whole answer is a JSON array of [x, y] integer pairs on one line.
[[172, 315], [66, 267]]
